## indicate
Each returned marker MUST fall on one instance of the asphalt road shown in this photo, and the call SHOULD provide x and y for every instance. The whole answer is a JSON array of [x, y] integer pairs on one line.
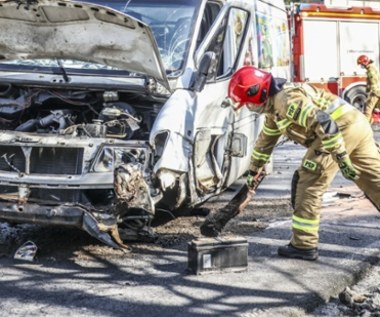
[[91, 280]]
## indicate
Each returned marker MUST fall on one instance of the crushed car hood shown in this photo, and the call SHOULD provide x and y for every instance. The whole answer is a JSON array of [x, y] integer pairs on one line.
[[79, 31]]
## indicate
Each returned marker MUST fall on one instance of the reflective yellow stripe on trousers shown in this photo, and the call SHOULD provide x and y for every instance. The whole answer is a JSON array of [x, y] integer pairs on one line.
[[306, 225]]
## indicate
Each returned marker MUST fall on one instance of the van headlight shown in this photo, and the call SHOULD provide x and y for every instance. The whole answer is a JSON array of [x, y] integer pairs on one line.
[[109, 158]]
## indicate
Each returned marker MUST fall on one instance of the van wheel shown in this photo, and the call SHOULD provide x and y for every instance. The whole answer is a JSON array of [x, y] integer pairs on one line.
[[357, 96]]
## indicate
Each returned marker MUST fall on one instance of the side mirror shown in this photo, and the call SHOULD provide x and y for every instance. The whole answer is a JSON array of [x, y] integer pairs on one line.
[[204, 68]]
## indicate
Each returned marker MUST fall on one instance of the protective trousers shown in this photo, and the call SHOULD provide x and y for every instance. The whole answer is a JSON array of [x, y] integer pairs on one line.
[[318, 169], [373, 102]]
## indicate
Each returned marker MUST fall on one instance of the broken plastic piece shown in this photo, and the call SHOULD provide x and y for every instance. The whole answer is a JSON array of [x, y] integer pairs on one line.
[[26, 252], [343, 195]]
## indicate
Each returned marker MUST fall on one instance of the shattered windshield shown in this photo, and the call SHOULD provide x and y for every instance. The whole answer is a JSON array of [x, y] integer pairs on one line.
[[171, 22]]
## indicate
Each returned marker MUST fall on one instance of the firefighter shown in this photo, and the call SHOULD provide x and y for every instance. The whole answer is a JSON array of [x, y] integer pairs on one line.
[[336, 135], [373, 85]]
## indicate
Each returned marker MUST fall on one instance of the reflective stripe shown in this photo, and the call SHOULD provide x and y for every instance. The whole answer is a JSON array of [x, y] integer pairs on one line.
[[283, 124], [271, 132], [305, 228], [307, 225], [340, 111], [260, 156], [331, 142], [334, 105], [307, 221], [302, 120]]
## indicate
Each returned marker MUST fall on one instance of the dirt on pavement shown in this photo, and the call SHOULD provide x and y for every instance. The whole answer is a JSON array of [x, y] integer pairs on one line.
[[59, 243]]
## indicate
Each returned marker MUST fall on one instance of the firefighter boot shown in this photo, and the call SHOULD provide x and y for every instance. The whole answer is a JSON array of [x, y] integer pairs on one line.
[[289, 251]]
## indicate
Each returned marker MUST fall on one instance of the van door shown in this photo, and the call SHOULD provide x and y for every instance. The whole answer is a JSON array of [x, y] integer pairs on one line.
[[221, 133]]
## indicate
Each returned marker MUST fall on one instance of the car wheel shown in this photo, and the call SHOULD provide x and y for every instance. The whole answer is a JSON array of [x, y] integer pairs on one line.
[[357, 96]]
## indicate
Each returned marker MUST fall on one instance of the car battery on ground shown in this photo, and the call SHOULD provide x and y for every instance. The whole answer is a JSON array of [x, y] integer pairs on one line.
[[217, 255]]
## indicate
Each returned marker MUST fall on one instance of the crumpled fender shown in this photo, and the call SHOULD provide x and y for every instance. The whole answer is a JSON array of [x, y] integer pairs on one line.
[[107, 234], [131, 187], [176, 118]]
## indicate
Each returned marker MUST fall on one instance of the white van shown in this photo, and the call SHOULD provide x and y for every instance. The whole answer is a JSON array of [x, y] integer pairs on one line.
[[112, 110]]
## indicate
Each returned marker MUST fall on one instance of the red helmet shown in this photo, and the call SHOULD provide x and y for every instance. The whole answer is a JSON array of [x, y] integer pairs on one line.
[[363, 60], [249, 85]]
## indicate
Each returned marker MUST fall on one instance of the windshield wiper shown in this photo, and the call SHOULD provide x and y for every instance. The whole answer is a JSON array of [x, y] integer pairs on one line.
[[126, 5], [63, 70]]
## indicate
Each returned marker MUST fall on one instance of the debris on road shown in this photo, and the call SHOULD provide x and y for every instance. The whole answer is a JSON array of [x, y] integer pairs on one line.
[[362, 299], [26, 252], [362, 304]]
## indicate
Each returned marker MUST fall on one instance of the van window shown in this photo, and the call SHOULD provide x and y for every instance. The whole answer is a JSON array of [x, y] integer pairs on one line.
[[210, 13], [228, 41]]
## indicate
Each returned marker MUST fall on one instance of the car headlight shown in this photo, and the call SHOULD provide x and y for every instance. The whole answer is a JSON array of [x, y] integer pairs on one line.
[[160, 141], [111, 157]]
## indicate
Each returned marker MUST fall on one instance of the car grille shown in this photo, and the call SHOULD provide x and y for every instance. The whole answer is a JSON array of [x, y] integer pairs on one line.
[[61, 195], [51, 195], [42, 160], [12, 159], [56, 195]]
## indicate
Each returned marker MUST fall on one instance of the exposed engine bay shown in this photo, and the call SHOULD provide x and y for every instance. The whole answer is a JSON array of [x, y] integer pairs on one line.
[[76, 113]]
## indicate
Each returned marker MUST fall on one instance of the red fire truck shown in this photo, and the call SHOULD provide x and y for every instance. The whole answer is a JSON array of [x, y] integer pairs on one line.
[[327, 40]]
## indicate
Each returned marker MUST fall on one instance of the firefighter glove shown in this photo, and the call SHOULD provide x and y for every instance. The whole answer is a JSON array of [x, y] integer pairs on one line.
[[346, 167], [252, 181]]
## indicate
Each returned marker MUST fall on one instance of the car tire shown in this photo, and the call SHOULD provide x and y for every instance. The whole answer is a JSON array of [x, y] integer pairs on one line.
[[357, 96]]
